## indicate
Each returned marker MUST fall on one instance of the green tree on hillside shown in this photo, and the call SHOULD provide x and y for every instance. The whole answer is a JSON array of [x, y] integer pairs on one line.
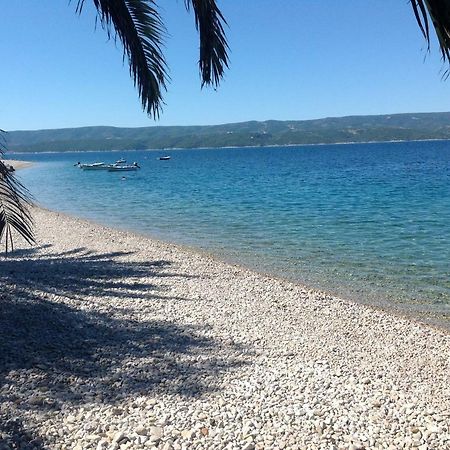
[[138, 26]]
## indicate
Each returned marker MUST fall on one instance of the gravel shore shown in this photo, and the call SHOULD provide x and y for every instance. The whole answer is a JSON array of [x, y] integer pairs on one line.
[[17, 164], [111, 340]]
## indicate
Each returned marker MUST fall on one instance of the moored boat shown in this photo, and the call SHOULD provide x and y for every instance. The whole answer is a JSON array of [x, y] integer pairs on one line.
[[118, 166], [123, 168], [164, 158], [94, 166]]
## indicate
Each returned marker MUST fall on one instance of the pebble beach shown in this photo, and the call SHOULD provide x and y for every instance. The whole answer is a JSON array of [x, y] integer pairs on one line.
[[112, 340], [17, 164]]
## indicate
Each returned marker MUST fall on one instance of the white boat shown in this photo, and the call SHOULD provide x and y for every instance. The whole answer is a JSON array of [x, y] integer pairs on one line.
[[121, 161], [123, 168], [164, 158], [118, 166], [95, 166]]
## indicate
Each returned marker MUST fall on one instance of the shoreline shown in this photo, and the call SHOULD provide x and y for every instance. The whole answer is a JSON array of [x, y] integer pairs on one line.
[[421, 318], [126, 339], [17, 164], [394, 141], [430, 319]]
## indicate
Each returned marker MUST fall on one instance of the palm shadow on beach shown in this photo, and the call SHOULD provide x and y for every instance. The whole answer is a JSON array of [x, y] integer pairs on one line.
[[57, 345]]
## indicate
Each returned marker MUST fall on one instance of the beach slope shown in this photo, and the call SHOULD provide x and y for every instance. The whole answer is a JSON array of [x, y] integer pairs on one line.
[[17, 164], [112, 340]]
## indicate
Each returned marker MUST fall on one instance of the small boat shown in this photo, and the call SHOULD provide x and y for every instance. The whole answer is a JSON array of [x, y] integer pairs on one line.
[[118, 166], [121, 161], [123, 168], [164, 158], [95, 166]]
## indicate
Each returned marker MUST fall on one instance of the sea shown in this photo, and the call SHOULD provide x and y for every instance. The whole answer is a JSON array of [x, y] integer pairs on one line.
[[367, 222]]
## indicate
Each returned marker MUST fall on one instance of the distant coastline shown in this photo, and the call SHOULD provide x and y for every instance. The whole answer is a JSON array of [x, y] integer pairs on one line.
[[252, 134], [226, 147]]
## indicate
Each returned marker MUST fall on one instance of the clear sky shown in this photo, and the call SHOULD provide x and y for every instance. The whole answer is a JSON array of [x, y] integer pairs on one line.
[[290, 59]]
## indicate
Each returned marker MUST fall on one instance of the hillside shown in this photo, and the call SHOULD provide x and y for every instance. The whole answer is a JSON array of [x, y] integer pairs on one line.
[[418, 126]]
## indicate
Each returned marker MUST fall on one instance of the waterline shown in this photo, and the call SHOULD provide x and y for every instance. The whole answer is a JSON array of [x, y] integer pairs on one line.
[[368, 222]]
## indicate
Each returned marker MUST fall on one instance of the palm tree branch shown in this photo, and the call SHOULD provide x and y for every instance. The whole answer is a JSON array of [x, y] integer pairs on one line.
[[439, 12], [210, 23], [14, 211], [138, 26]]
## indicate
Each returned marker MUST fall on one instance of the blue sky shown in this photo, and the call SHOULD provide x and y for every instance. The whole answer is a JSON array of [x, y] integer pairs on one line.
[[290, 59]]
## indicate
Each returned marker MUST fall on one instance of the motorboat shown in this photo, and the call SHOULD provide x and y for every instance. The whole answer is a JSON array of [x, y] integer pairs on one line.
[[164, 158], [123, 168], [95, 166], [121, 161], [118, 166]]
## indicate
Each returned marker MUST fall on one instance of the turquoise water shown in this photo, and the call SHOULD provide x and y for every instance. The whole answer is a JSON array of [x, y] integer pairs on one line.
[[365, 221]]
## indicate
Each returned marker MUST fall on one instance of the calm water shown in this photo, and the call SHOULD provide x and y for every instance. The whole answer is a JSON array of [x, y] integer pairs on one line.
[[366, 221]]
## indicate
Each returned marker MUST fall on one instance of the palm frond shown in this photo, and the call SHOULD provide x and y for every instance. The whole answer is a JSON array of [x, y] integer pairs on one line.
[[14, 212], [138, 26], [213, 44], [439, 12]]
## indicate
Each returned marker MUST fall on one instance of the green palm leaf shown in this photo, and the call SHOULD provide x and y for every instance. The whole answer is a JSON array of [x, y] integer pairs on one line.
[[139, 28], [14, 203], [439, 12], [213, 45]]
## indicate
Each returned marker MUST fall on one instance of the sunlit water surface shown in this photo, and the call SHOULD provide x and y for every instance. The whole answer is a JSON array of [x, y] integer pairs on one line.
[[366, 221]]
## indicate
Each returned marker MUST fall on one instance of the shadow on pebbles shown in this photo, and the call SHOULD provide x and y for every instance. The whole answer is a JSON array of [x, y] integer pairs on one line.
[[151, 346]]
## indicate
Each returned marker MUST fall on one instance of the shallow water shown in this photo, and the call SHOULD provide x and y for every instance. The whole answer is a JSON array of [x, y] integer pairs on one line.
[[365, 221]]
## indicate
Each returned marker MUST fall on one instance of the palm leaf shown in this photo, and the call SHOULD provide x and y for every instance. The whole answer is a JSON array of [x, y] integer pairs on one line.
[[14, 203], [439, 12], [139, 28], [213, 45]]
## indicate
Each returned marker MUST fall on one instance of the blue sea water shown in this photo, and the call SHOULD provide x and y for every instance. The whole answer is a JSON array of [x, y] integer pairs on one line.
[[369, 222]]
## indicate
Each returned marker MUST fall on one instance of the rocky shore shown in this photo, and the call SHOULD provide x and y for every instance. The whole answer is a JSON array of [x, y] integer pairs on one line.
[[111, 340]]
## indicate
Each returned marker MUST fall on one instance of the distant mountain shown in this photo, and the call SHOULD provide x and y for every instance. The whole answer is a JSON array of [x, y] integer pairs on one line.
[[420, 126]]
